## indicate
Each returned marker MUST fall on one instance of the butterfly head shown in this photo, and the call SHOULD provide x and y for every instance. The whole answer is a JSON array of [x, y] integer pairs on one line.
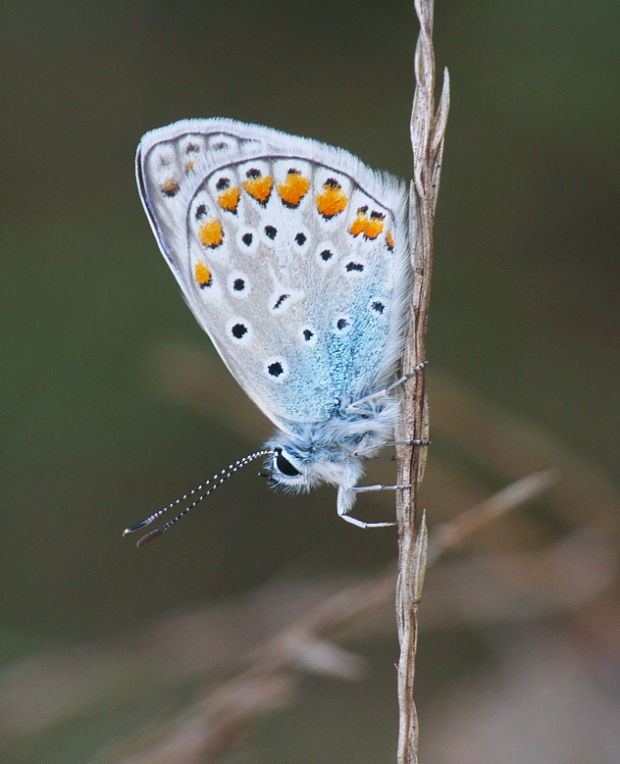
[[286, 470], [299, 465]]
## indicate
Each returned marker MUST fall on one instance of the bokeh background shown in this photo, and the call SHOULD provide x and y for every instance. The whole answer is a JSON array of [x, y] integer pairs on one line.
[[115, 402]]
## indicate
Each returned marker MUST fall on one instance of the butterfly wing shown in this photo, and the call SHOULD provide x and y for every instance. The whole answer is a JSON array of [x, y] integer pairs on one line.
[[291, 254]]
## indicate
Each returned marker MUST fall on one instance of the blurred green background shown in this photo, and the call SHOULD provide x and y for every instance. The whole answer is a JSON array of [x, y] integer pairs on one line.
[[115, 401]]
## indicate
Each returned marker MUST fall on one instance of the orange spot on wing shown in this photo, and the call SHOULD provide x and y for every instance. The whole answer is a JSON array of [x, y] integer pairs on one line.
[[189, 165], [211, 233], [373, 228], [259, 188], [332, 201], [389, 240], [293, 189], [202, 274], [169, 187], [229, 200], [357, 226]]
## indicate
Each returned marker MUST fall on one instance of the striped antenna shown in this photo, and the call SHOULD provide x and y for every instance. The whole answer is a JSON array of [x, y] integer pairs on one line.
[[215, 482]]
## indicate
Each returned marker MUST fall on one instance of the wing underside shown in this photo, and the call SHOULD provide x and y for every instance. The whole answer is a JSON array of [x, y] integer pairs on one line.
[[291, 254]]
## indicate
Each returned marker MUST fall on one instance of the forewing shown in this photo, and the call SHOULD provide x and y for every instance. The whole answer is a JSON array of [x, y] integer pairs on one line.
[[291, 254]]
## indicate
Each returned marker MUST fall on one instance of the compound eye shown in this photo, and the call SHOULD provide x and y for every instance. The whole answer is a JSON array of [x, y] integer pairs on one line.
[[285, 467]]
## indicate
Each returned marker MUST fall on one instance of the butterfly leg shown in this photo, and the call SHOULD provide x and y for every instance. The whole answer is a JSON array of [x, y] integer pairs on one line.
[[414, 442], [346, 500], [368, 488], [354, 407], [362, 524]]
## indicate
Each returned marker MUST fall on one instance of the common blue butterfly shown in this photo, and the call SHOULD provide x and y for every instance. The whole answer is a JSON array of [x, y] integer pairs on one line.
[[293, 257]]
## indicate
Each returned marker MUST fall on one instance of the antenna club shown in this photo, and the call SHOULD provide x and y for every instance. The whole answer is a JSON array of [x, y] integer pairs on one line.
[[148, 538], [133, 528]]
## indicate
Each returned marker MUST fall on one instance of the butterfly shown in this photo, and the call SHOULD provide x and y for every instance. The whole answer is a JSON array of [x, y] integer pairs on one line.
[[293, 256]]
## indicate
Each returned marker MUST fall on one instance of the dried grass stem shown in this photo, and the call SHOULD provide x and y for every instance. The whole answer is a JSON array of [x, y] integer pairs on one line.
[[427, 140]]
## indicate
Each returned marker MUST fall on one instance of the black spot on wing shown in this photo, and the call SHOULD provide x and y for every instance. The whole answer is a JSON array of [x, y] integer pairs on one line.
[[275, 369], [239, 330], [353, 266], [280, 301]]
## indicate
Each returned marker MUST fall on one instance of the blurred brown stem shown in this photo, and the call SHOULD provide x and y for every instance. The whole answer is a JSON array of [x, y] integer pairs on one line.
[[427, 140], [49, 690], [207, 729]]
